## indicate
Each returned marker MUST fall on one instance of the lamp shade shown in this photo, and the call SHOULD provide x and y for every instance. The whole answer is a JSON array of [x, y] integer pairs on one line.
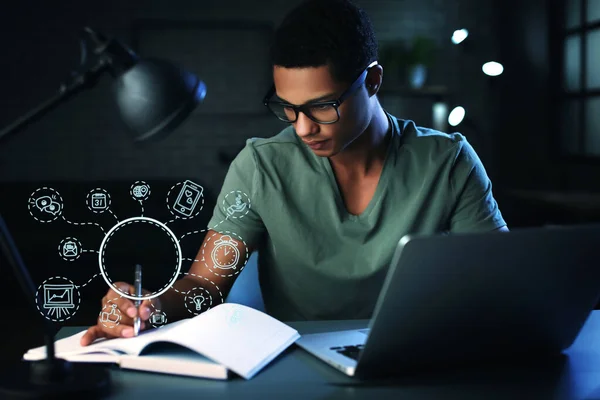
[[154, 96]]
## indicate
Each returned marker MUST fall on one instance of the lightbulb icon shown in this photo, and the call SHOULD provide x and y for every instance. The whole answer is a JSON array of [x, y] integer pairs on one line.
[[198, 301]]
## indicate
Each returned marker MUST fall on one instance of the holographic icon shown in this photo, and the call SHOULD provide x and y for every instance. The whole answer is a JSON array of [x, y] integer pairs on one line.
[[157, 319], [225, 254], [140, 191], [58, 299], [110, 318], [238, 207], [48, 205], [45, 205], [98, 200], [188, 198], [70, 249], [197, 300], [236, 204]]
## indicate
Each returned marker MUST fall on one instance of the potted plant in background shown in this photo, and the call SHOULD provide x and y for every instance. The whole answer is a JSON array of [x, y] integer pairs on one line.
[[419, 59], [407, 62]]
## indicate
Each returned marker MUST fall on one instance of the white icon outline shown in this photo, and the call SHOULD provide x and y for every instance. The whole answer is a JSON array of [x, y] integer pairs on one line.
[[236, 204], [226, 244], [45, 204], [98, 200], [107, 318], [59, 297], [70, 249], [198, 299], [137, 191], [157, 319], [126, 222]]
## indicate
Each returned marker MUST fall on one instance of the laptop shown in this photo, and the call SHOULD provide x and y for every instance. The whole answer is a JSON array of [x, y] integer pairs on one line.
[[465, 299]]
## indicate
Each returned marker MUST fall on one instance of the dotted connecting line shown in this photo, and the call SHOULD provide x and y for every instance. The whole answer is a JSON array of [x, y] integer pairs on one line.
[[89, 280], [204, 230], [201, 277], [173, 220], [129, 223], [142, 204], [113, 214], [84, 223], [191, 233], [89, 251]]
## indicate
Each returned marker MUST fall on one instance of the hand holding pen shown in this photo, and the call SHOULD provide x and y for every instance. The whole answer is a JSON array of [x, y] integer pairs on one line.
[[128, 310]]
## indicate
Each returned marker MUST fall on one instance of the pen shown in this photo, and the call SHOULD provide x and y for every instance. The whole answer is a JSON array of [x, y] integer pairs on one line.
[[137, 321]]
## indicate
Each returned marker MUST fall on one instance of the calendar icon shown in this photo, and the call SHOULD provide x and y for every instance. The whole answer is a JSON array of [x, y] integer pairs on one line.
[[99, 201]]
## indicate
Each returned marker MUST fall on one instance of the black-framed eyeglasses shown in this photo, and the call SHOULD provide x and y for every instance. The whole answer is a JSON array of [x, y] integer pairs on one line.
[[321, 112]]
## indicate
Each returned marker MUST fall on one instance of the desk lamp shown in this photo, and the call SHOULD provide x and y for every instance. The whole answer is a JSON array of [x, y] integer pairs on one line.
[[153, 96]]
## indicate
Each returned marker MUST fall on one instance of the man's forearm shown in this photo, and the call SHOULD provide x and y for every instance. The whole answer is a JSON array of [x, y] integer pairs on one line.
[[172, 302]]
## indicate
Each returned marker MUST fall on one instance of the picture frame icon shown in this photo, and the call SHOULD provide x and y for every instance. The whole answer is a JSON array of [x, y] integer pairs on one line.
[[188, 198]]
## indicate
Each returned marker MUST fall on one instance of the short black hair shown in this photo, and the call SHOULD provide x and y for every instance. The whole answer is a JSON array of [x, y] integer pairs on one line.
[[337, 33]]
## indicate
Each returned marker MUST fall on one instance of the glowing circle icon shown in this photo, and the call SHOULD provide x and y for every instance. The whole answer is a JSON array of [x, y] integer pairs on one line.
[[155, 225]]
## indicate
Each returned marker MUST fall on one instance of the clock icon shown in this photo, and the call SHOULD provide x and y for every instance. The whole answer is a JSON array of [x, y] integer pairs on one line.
[[225, 254]]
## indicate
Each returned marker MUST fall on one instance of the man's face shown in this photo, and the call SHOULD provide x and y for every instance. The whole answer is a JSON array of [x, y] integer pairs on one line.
[[302, 85]]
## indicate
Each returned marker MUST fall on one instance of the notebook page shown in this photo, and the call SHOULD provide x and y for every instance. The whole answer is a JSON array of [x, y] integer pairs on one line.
[[134, 345], [239, 337]]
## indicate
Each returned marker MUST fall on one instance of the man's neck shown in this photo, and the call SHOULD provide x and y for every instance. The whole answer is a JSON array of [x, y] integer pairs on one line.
[[367, 153]]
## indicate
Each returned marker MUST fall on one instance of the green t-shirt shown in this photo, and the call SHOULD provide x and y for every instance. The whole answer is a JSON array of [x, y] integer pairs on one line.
[[316, 260]]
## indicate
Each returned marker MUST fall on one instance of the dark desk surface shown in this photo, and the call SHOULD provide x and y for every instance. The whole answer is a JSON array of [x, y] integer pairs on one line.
[[297, 374]]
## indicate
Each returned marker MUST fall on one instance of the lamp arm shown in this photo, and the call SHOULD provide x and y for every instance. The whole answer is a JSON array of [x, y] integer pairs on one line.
[[9, 248], [79, 81]]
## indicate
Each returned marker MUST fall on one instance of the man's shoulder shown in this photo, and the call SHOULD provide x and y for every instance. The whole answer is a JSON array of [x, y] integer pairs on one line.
[[414, 134], [286, 138], [430, 142]]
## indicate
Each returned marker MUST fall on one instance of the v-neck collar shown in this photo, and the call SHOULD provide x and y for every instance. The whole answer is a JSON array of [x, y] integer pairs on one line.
[[381, 184]]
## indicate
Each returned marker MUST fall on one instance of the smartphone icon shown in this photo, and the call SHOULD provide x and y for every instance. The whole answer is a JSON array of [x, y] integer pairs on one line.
[[188, 198]]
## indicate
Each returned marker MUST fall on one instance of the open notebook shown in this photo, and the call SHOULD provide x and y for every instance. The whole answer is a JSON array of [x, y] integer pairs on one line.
[[228, 337]]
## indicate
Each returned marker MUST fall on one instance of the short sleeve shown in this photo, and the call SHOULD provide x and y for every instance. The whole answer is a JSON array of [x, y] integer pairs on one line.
[[474, 209], [236, 210]]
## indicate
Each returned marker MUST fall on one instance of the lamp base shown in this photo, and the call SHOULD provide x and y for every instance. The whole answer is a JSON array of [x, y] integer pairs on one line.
[[54, 380]]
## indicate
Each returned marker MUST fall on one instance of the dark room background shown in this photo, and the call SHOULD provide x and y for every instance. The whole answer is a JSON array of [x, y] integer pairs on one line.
[[535, 127]]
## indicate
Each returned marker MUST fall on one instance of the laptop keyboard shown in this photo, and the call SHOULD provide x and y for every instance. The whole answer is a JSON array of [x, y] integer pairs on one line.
[[349, 351]]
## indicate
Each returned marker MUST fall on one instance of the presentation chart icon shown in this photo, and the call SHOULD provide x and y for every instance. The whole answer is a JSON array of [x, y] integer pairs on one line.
[[57, 299]]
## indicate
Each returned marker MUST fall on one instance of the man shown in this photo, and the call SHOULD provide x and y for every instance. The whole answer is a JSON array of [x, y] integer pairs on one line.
[[326, 201]]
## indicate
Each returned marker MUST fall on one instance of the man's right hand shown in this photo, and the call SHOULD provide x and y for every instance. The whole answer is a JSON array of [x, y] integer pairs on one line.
[[128, 312]]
